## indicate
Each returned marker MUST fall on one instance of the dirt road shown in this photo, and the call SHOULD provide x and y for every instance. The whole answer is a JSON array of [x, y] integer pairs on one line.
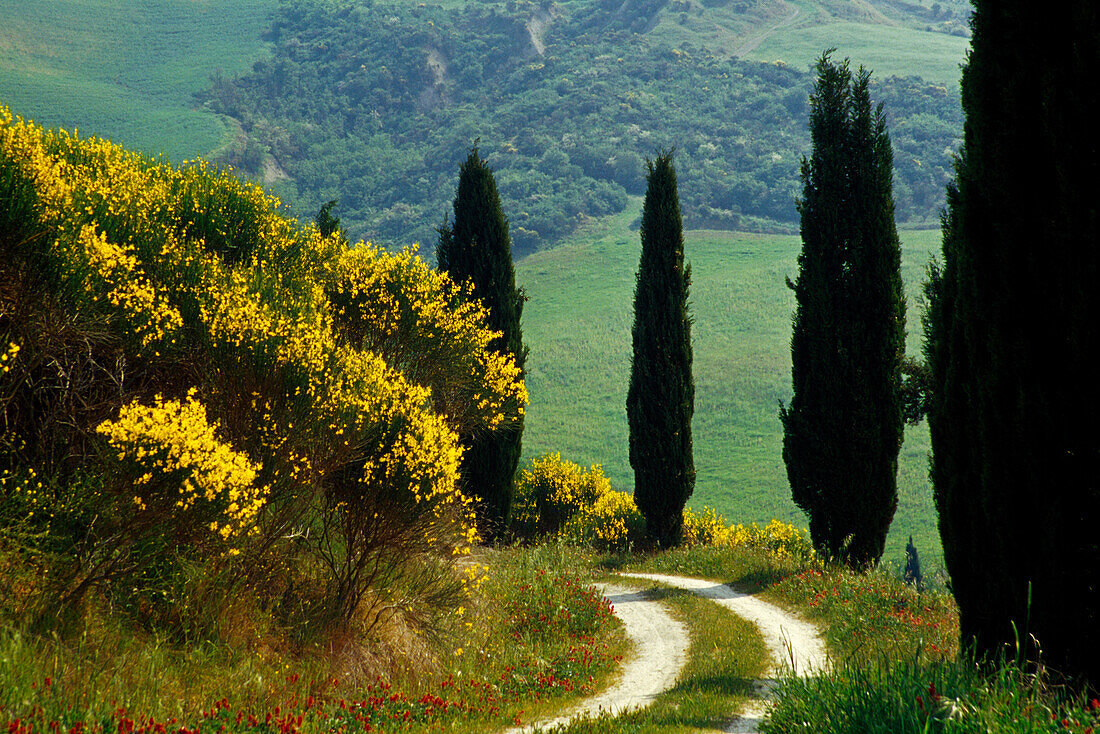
[[661, 645]]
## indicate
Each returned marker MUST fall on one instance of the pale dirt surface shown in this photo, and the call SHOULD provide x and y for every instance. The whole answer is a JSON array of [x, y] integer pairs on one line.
[[660, 652], [794, 643], [753, 42], [661, 645]]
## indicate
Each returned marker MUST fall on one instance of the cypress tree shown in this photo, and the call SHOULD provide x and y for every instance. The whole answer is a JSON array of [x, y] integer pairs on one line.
[[1012, 310], [661, 397], [844, 425], [476, 248]]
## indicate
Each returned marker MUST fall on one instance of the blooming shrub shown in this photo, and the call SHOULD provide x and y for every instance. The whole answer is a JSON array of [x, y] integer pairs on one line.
[[706, 528], [182, 466], [781, 540], [613, 523], [551, 491], [343, 371]]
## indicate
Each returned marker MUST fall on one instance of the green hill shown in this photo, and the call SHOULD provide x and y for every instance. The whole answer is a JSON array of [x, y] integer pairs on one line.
[[374, 105], [577, 324], [128, 71]]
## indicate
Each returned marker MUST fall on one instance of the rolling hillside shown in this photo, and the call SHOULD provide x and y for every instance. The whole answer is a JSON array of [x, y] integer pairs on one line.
[[128, 71], [577, 324]]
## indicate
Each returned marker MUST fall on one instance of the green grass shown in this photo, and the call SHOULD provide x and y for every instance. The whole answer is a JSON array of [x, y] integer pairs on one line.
[[127, 71], [534, 636], [884, 39], [909, 698], [886, 50], [577, 324]]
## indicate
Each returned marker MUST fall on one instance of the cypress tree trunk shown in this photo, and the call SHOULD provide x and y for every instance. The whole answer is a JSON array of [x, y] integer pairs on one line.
[[661, 397], [843, 428], [1013, 312], [476, 248]]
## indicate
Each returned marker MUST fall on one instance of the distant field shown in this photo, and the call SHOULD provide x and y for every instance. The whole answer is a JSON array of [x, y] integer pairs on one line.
[[127, 70], [883, 49], [577, 324], [797, 31]]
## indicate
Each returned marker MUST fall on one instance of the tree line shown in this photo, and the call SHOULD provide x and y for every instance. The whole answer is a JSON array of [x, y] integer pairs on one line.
[[1008, 383], [374, 104]]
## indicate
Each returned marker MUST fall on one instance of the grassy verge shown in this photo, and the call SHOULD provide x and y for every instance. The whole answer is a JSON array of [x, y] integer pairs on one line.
[[535, 636], [908, 697]]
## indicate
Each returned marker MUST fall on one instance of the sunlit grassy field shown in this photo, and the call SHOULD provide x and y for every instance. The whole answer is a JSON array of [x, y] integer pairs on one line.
[[884, 49], [797, 31], [127, 71], [577, 324]]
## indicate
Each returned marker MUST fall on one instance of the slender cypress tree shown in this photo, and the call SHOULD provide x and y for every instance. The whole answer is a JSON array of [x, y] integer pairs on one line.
[[661, 398], [476, 248], [843, 428], [1012, 311]]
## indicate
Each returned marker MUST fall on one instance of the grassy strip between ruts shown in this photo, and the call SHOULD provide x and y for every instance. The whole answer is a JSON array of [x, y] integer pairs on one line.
[[726, 657]]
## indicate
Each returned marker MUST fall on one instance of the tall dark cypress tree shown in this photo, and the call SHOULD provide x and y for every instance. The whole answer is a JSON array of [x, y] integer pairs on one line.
[[476, 248], [843, 428], [661, 398], [1012, 311]]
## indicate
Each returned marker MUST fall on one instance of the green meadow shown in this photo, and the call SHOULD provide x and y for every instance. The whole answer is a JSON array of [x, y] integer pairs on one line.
[[577, 324], [887, 50], [128, 71]]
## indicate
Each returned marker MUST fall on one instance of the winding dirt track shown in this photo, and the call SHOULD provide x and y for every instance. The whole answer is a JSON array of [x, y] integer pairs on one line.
[[661, 645], [794, 643]]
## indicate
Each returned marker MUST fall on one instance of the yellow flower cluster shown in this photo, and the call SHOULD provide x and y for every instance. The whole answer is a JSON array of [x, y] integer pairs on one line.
[[779, 539], [782, 540], [612, 523], [705, 528], [173, 443], [121, 283], [424, 324], [553, 490], [8, 357]]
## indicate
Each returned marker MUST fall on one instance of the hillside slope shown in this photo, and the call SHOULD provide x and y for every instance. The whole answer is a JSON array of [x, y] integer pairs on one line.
[[375, 105], [128, 71]]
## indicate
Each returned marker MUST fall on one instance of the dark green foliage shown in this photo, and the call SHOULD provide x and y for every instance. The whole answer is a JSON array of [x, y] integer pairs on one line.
[[326, 222], [661, 397], [843, 428], [1013, 310], [911, 574], [476, 248], [374, 103]]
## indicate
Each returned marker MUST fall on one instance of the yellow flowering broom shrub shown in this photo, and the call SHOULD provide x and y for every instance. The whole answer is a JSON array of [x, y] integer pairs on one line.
[[613, 523], [337, 373], [183, 469], [704, 528], [551, 490]]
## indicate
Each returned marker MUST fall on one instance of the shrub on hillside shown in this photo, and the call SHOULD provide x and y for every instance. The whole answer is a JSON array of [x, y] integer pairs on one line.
[[705, 528], [551, 491], [184, 358], [612, 524]]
